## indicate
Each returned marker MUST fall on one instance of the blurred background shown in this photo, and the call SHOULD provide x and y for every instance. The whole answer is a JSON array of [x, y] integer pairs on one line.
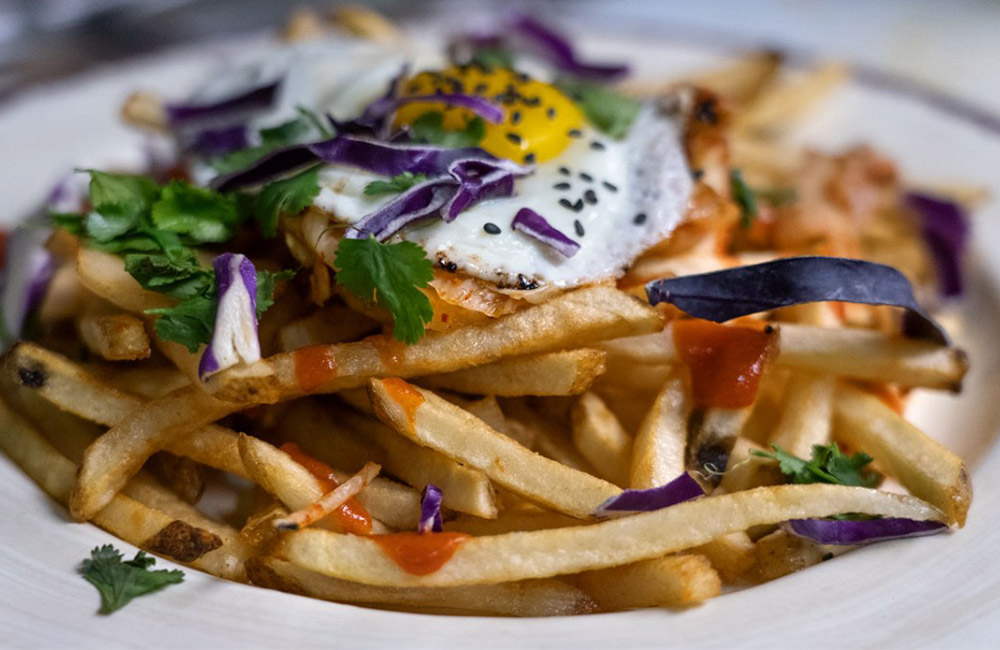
[[950, 48]]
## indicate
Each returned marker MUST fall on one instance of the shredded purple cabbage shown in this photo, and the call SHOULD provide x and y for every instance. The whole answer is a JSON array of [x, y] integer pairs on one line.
[[227, 111], [26, 275], [558, 50], [220, 141], [481, 106], [430, 510], [865, 531], [723, 295], [534, 225], [374, 119], [682, 488], [234, 336], [945, 227]]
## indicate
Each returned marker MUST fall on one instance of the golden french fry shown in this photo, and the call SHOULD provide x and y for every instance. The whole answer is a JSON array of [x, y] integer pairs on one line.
[[106, 276], [303, 25], [743, 80], [511, 522], [181, 475], [807, 414], [781, 553], [366, 23], [714, 431], [555, 373], [672, 581], [115, 337], [778, 107], [331, 501], [659, 448], [332, 324], [527, 598], [146, 111], [546, 553], [746, 471], [575, 319], [600, 438], [731, 555], [428, 420], [923, 465]]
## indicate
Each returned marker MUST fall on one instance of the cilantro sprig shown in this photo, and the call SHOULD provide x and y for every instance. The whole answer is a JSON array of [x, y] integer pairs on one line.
[[389, 275], [607, 109], [429, 129], [119, 580], [744, 198], [306, 126], [395, 185], [827, 465]]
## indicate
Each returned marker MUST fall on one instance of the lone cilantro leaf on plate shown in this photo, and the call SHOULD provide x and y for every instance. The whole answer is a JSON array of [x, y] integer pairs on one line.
[[827, 465], [391, 276], [119, 581]]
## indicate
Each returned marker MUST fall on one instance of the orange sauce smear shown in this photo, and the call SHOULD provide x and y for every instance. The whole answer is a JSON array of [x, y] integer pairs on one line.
[[726, 362], [315, 365], [420, 553], [390, 351], [352, 517], [408, 397]]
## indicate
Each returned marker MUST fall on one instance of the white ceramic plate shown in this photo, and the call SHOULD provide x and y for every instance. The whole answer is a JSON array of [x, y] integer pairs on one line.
[[941, 591]]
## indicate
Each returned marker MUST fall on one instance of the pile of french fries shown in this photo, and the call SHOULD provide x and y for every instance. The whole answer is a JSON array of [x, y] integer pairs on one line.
[[527, 423]]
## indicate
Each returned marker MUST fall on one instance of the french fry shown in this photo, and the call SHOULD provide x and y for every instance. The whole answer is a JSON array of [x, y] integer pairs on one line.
[[106, 276], [115, 337], [146, 380], [511, 522], [303, 25], [332, 324], [659, 449], [746, 471], [555, 373], [807, 414], [854, 353], [923, 465], [743, 80], [714, 431], [125, 517], [600, 438], [366, 23], [777, 108], [731, 555], [781, 553], [486, 409], [330, 501], [426, 419], [672, 581], [546, 553], [528, 598], [182, 476], [394, 504], [575, 319]]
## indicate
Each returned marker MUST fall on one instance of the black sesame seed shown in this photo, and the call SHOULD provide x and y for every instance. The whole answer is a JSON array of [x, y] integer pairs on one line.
[[826, 557], [706, 112], [491, 228], [529, 158], [31, 378], [522, 78], [590, 197], [597, 145], [586, 177], [609, 186], [696, 174], [532, 101], [564, 171], [550, 113], [480, 89], [578, 206], [515, 118], [450, 267], [524, 284], [561, 186], [514, 138], [566, 203], [639, 219], [575, 133], [578, 227]]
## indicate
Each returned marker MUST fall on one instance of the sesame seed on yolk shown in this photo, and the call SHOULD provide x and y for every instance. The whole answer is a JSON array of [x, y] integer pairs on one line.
[[537, 116]]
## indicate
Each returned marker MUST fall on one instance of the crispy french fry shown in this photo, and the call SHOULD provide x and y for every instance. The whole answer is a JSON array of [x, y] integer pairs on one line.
[[778, 107], [555, 373], [182, 476], [146, 527], [303, 25], [331, 501], [486, 409], [746, 471], [145, 380], [146, 111], [600, 438], [366, 23], [115, 337], [923, 465], [575, 319], [672, 581], [332, 324], [807, 415], [743, 80], [780, 553], [106, 276], [731, 555], [511, 522], [426, 419], [854, 353], [545, 553], [714, 431], [659, 448], [528, 598]]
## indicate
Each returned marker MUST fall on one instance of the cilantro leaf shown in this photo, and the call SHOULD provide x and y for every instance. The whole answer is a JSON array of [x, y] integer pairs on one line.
[[493, 58], [266, 282], [120, 581], [389, 275], [607, 109], [121, 196], [827, 465], [71, 222], [777, 196], [177, 278], [189, 323], [290, 195], [396, 184], [744, 198], [429, 128], [200, 215], [294, 131]]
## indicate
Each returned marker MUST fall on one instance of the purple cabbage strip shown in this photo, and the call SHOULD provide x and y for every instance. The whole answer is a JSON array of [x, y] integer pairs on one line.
[[374, 119], [723, 295], [534, 225], [945, 227], [682, 488], [220, 141], [866, 531], [234, 336], [430, 510], [229, 110], [28, 270], [557, 49], [479, 180], [481, 106]]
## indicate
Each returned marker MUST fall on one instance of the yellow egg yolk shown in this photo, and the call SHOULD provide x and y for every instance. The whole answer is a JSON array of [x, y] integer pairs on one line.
[[539, 121]]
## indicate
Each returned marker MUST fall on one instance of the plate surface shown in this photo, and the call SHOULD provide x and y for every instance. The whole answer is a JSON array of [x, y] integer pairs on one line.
[[941, 591]]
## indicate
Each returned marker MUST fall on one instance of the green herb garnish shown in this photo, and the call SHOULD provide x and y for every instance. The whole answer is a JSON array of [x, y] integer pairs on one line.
[[390, 275], [429, 129], [395, 185], [608, 110], [493, 58], [119, 581], [744, 198], [291, 195], [827, 465]]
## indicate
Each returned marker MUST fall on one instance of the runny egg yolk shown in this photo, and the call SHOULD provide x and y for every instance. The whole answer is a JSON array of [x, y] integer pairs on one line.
[[539, 121]]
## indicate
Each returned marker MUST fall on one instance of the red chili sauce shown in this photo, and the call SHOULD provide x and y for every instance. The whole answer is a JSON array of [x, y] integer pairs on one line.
[[352, 517], [315, 365], [420, 553]]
